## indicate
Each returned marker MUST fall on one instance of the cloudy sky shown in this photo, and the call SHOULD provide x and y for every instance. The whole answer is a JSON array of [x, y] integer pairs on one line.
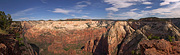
[[89, 9]]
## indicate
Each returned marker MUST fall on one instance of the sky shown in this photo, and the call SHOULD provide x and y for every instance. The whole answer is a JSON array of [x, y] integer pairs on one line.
[[89, 9]]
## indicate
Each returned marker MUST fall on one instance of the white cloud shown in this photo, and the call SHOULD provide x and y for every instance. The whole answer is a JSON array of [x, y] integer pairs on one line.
[[66, 11], [116, 4], [149, 7], [166, 2], [77, 11], [165, 12], [133, 14], [24, 18], [171, 10], [84, 2], [85, 16], [88, 17], [122, 3], [110, 14], [59, 10], [112, 9], [23, 12], [73, 15], [134, 9], [80, 6], [168, 9], [43, 1], [146, 3], [86, 13], [126, 15]]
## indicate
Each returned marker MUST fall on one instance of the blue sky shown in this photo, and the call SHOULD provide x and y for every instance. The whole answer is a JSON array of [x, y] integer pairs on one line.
[[89, 9]]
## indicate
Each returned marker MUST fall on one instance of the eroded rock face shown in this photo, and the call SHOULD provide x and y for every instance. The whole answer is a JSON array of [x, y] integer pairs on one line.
[[162, 47], [96, 37]]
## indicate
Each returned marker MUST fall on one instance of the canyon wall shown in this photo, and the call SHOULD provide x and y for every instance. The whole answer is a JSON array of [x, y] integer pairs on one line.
[[95, 37]]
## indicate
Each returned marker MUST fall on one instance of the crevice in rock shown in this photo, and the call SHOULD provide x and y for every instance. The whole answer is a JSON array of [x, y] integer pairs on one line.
[[35, 48]]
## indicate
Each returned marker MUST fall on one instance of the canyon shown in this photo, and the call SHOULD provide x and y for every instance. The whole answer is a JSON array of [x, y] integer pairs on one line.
[[101, 37], [137, 37]]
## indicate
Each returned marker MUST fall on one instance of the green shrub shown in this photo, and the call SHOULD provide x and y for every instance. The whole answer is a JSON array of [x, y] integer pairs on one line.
[[155, 37], [50, 20], [17, 34], [21, 44], [150, 37], [66, 49], [41, 20], [131, 20], [170, 38], [133, 52], [19, 39]]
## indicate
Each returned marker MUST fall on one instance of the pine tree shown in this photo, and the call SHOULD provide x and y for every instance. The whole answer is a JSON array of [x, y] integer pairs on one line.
[[5, 20]]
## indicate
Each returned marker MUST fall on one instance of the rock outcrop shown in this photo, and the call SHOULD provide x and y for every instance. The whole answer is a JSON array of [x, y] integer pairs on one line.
[[8, 45], [160, 47]]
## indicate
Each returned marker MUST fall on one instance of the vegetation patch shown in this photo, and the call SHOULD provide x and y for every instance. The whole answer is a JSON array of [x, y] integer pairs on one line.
[[150, 37], [131, 20], [66, 49], [152, 19], [170, 38], [133, 52], [17, 34], [20, 40]]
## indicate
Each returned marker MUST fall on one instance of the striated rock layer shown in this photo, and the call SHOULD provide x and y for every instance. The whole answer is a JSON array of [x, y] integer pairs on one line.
[[96, 37]]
